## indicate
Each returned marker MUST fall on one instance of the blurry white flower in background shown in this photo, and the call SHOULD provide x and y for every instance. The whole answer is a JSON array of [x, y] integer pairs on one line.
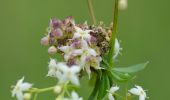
[[123, 4], [19, 88], [116, 49], [138, 90], [112, 90]]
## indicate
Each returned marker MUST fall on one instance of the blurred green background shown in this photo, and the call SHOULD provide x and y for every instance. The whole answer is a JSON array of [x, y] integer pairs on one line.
[[143, 30]]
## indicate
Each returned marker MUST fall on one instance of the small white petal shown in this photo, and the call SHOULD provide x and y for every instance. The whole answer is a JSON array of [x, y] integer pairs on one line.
[[110, 96], [52, 63], [84, 44], [79, 30], [92, 52], [76, 35], [142, 97], [75, 69], [20, 95], [64, 49], [74, 79], [134, 91], [87, 37], [74, 95], [77, 52], [67, 57], [117, 48], [63, 67], [25, 86], [113, 89]]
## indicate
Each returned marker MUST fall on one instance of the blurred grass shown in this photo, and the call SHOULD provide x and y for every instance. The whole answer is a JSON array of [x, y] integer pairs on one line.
[[143, 29]]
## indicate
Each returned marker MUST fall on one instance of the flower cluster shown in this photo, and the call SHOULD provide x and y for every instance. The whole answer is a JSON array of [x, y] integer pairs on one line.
[[82, 48], [79, 44]]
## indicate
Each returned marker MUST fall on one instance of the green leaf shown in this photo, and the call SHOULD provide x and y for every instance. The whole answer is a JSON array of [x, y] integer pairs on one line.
[[131, 69], [103, 65], [95, 90], [93, 79], [119, 76], [104, 86], [101, 88], [105, 60]]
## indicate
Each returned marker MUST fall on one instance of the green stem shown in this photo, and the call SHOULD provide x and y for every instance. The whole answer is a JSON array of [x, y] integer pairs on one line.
[[114, 30], [35, 96], [90, 7], [36, 90]]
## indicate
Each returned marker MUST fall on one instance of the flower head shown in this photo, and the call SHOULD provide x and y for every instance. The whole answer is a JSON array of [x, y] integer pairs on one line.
[[138, 90], [19, 88]]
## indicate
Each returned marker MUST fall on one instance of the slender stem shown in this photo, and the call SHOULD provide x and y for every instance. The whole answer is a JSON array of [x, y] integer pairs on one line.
[[46, 89], [114, 30], [35, 96], [90, 7], [35, 90]]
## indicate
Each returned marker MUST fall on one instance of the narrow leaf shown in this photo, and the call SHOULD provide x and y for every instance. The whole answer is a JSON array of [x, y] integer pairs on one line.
[[95, 90], [120, 76], [131, 69]]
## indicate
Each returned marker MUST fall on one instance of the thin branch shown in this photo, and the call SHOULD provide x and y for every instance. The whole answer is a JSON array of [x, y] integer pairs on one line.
[[91, 11], [114, 30]]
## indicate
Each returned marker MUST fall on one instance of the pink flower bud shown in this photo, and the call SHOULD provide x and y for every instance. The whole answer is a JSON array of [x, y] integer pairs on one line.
[[52, 50], [55, 23], [45, 41], [58, 32]]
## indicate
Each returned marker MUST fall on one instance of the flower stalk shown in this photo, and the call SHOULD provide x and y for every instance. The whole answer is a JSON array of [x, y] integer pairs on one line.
[[91, 11], [113, 36]]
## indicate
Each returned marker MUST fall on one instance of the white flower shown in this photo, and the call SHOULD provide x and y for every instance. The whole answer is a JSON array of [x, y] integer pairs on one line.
[[83, 34], [112, 90], [69, 52], [116, 49], [52, 68], [67, 73], [19, 88], [138, 90], [123, 4], [74, 96]]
